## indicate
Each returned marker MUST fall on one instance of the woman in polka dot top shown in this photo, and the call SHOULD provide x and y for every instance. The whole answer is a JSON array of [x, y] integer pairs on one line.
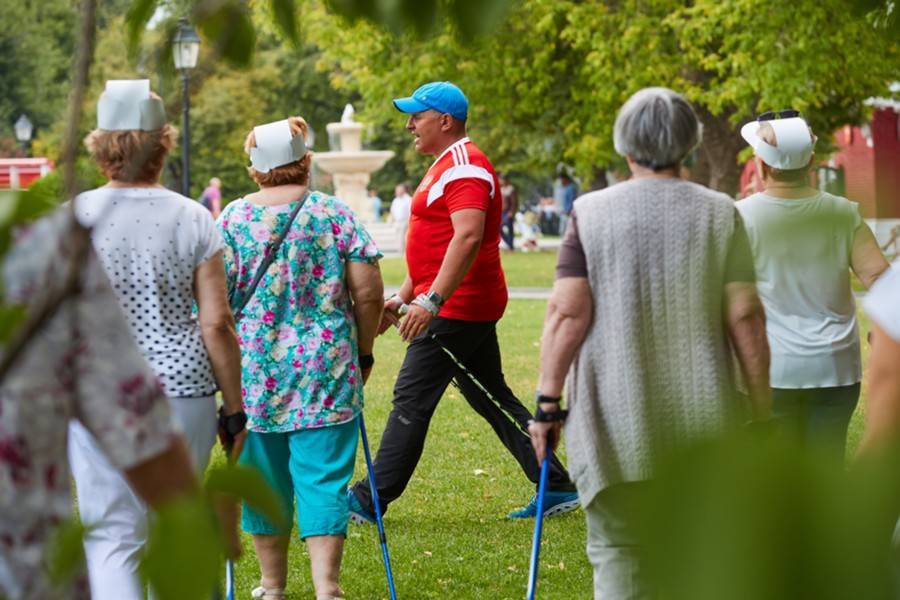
[[162, 255]]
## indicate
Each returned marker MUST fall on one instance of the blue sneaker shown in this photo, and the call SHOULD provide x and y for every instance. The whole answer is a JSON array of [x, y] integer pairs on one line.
[[358, 515], [555, 503]]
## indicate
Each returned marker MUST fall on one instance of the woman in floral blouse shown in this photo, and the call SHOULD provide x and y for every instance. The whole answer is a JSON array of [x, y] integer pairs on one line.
[[306, 338]]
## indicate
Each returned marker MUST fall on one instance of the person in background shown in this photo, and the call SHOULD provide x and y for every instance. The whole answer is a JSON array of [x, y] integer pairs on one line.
[[893, 242], [564, 193], [508, 211], [211, 198], [376, 204], [162, 255], [83, 364], [805, 243], [400, 210], [456, 293], [307, 339], [642, 324]]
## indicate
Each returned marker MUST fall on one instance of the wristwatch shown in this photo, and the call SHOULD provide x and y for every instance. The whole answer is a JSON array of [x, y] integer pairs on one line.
[[366, 361], [436, 298]]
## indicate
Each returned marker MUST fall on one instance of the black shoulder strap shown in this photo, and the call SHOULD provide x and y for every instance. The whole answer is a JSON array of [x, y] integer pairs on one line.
[[270, 254]]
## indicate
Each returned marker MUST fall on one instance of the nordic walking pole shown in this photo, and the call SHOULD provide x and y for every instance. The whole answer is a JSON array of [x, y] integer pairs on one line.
[[378, 520], [229, 580], [538, 526]]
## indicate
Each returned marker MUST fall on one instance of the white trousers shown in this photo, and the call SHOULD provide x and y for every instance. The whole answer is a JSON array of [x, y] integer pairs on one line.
[[116, 518], [614, 547]]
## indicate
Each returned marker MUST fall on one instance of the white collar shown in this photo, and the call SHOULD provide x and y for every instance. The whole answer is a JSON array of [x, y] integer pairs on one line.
[[458, 142]]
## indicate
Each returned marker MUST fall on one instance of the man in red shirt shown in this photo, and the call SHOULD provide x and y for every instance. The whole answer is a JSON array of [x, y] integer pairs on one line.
[[457, 292]]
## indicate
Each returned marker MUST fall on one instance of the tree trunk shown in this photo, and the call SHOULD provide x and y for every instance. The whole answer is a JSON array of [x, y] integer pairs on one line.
[[598, 180], [721, 144]]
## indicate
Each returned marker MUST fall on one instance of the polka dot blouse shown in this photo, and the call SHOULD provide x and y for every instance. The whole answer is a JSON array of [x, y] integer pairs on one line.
[[150, 241]]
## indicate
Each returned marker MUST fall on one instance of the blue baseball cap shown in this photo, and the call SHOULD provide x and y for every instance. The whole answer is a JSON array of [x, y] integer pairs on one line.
[[441, 96]]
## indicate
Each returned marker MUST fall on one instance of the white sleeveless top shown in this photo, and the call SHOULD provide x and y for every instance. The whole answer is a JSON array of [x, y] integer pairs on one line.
[[150, 241]]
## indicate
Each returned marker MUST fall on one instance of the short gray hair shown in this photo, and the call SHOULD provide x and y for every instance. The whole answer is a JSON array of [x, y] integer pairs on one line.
[[657, 128]]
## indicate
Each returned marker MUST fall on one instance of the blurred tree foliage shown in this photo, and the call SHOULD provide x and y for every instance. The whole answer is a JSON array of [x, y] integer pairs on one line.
[[546, 85]]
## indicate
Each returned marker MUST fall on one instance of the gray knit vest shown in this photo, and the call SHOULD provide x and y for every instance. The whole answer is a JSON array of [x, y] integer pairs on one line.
[[655, 368]]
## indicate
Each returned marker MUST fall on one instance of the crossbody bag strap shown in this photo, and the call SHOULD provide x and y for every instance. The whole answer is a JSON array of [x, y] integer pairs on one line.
[[271, 252]]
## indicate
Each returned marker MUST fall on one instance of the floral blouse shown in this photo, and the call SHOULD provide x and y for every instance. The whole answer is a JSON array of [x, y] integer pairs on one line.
[[300, 363], [83, 365]]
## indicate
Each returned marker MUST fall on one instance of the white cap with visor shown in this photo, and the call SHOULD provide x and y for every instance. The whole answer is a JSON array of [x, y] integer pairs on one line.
[[794, 141], [126, 105], [276, 146]]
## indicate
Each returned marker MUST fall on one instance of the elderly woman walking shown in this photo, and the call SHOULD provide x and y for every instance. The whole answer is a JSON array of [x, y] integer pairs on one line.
[[805, 242], [307, 336], [654, 290], [162, 254]]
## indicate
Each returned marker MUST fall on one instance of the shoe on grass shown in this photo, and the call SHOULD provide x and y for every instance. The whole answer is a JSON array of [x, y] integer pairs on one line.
[[555, 503], [358, 514]]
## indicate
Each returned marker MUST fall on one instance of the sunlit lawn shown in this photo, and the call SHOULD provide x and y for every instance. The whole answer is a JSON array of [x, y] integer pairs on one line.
[[447, 535]]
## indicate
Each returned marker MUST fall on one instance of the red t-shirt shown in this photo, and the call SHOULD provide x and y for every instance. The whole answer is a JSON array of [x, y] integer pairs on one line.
[[462, 177]]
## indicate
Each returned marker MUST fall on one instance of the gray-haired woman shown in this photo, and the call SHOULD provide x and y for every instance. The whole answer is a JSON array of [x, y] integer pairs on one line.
[[655, 283]]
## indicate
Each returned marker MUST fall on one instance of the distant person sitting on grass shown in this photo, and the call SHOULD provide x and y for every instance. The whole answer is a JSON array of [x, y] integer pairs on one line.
[[805, 242], [456, 292]]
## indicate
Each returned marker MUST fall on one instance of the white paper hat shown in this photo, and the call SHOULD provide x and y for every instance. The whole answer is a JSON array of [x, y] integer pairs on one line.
[[795, 144], [275, 146], [126, 104]]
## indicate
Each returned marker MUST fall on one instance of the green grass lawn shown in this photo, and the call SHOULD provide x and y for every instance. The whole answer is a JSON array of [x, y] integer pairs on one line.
[[522, 269], [447, 535]]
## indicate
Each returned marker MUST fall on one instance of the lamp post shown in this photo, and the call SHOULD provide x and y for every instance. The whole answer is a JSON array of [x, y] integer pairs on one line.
[[185, 51], [24, 129]]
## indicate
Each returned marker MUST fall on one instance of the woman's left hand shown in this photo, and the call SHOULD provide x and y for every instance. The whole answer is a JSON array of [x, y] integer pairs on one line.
[[365, 374]]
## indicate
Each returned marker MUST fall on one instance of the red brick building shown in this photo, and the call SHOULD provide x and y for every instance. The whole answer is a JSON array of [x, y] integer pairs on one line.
[[869, 159]]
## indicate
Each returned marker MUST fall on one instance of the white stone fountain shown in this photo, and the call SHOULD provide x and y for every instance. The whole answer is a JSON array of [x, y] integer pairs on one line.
[[350, 165]]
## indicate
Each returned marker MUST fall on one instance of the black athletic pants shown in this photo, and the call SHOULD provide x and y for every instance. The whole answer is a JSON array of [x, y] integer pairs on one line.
[[426, 372]]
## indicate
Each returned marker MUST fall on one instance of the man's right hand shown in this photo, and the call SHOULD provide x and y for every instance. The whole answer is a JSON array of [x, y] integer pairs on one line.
[[391, 315]]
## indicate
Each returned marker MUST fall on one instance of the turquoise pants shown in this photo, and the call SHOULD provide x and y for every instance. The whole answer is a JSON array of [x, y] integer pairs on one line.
[[312, 465]]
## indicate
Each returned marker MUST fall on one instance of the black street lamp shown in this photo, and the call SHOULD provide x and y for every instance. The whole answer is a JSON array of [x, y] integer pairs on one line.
[[185, 51], [24, 129]]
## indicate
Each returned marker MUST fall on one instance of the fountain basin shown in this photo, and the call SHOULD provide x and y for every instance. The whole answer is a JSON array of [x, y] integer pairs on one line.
[[362, 161]]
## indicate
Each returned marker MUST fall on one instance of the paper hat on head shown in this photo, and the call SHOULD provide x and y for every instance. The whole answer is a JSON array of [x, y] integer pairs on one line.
[[794, 143], [126, 105], [275, 146]]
